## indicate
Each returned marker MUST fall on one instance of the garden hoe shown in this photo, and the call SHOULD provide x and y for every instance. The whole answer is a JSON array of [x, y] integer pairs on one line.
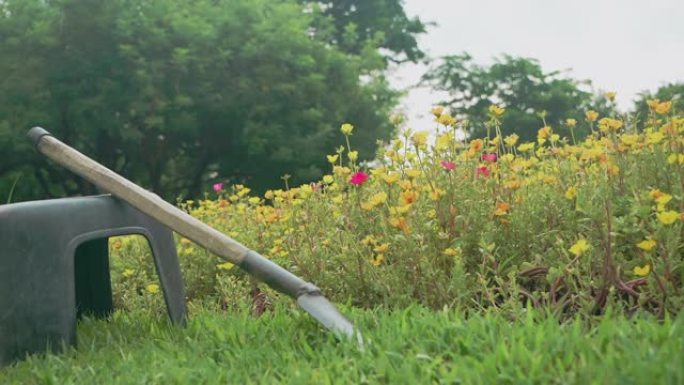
[[307, 295]]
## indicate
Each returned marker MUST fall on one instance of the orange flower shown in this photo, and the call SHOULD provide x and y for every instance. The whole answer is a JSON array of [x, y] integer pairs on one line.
[[408, 197], [400, 223], [502, 208], [476, 145]]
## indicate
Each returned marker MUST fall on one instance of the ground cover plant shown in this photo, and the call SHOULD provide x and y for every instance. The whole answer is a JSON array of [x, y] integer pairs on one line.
[[567, 225]]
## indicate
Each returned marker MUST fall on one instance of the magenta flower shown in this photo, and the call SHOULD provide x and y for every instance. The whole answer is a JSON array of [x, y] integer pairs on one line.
[[358, 178], [448, 165], [218, 187], [490, 158], [482, 171]]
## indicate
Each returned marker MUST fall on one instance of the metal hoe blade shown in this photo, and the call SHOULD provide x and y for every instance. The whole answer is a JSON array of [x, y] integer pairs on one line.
[[322, 310]]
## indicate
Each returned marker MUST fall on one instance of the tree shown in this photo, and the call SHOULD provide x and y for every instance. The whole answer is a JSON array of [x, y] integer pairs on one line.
[[517, 84], [670, 92], [354, 25], [176, 94]]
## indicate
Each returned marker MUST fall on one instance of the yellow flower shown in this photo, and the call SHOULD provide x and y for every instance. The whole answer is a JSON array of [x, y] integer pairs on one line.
[[507, 158], [443, 141], [526, 147], [668, 217], [378, 260], [343, 171], [128, 273], [436, 193], [451, 252], [367, 206], [328, 179], [544, 132], [254, 200], [591, 115], [405, 184], [446, 120], [652, 103], [368, 240], [382, 248], [496, 111], [225, 266], [580, 247], [353, 155], [412, 172], [419, 138], [663, 199], [663, 107], [390, 178], [332, 158], [242, 190], [400, 209], [512, 184], [571, 192], [629, 139], [511, 140], [654, 137], [437, 111], [609, 125], [610, 96], [570, 122], [375, 200], [642, 271], [647, 244], [347, 129], [378, 171], [152, 288]]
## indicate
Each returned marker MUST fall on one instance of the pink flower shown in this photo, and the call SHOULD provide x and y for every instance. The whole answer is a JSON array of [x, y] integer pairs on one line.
[[448, 165], [358, 178], [218, 187], [490, 158], [482, 170]]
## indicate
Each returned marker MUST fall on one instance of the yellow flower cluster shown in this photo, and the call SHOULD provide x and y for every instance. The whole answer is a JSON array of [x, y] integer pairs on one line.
[[435, 200]]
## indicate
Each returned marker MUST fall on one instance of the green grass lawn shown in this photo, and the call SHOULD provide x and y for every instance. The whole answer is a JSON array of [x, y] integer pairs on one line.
[[402, 347]]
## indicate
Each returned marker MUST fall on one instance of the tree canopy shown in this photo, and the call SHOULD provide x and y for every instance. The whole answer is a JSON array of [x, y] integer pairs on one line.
[[518, 84], [354, 24], [669, 92], [177, 94]]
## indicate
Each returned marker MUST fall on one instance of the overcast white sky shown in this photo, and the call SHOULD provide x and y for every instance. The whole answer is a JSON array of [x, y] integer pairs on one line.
[[626, 46]]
